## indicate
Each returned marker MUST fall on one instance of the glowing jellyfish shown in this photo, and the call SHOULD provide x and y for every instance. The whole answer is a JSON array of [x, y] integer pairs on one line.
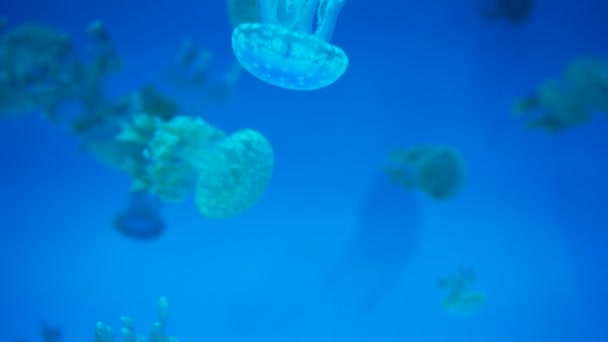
[[289, 47]]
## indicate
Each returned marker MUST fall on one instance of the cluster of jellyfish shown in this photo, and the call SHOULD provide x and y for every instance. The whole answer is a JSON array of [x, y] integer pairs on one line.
[[144, 133]]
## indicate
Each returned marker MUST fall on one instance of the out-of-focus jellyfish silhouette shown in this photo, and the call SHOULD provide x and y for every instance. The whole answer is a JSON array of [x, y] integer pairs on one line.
[[50, 334], [289, 45], [460, 299], [191, 66], [516, 11], [190, 75], [564, 102], [436, 170], [141, 220], [385, 238], [242, 11], [47, 334]]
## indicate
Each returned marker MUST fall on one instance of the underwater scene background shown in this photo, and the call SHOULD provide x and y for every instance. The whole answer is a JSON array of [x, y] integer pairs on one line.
[[431, 171]]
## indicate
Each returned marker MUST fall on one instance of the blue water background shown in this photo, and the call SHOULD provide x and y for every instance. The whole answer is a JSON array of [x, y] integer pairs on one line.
[[532, 218]]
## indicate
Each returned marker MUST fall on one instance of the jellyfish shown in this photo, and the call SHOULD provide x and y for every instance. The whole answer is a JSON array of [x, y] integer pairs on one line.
[[242, 11], [460, 299], [384, 241], [235, 175], [436, 170], [50, 333], [142, 219], [170, 159], [289, 47], [515, 11]]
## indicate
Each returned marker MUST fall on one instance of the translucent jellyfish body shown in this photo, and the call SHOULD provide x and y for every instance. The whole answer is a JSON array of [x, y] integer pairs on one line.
[[436, 170], [170, 159], [289, 46], [242, 11], [460, 299], [235, 175]]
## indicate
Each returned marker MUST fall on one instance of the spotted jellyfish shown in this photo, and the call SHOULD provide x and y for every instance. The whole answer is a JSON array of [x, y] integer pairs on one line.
[[289, 45]]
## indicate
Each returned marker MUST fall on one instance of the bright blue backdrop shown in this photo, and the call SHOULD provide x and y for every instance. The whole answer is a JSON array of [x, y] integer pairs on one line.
[[531, 220]]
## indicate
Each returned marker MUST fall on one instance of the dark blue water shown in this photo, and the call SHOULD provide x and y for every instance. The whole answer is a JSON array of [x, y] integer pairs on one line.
[[331, 252]]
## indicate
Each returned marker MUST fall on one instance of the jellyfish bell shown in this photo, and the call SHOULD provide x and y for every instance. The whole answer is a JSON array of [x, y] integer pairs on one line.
[[235, 175], [288, 59], [289, 47], [516, 11], [142, 219]]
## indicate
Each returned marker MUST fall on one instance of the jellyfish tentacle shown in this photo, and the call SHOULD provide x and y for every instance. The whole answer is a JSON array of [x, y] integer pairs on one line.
[[327, 14], [268, 11]]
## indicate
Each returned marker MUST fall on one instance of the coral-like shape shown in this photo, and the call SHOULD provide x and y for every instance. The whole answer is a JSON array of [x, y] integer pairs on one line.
[[289, 46], [235, 175], [105, 333], [436, 170]]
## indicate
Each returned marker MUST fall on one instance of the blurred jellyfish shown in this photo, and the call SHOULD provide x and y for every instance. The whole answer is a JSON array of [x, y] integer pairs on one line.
[[512, 10], [436, 170], [191, 67], [190, 75], [235, 175], [47, 334], [242, 11], [50, 334], [289, 46], [460, 299], [564, 102], [221, 92], [142, 219], [384, 240]]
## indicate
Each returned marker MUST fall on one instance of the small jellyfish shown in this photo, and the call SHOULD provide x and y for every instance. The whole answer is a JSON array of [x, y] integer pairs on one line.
[[436, 170], [142, 219], [460, 299], [289, 46], [242, 11], [515, 11], [50, 334]]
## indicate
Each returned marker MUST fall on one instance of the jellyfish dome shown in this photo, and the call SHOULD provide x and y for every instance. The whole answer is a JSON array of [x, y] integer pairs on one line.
[[289, 47], [235, 175]]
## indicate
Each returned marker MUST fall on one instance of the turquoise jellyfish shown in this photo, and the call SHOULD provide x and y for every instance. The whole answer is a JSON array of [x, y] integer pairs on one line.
[[289, 46]]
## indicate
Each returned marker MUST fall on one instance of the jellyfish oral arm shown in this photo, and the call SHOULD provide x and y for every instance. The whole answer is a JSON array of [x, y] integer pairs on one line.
[[327, 15], [267, 11]]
